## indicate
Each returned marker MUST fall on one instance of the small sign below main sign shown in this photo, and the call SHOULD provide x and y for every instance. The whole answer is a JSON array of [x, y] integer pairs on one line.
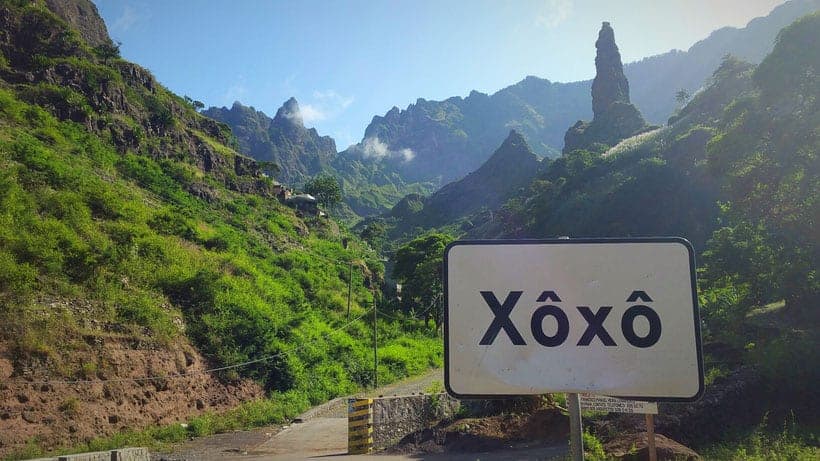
[[603, 316], [616, 405]]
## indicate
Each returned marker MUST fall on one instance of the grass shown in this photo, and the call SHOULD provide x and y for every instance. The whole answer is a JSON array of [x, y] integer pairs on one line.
[[277, 409], [790, 443], [86, 222]]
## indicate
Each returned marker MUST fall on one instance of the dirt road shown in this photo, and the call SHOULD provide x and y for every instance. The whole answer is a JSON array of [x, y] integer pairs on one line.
[[323, 433]]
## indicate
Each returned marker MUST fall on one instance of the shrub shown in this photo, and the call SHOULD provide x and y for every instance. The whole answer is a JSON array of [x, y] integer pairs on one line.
[[16, 280]]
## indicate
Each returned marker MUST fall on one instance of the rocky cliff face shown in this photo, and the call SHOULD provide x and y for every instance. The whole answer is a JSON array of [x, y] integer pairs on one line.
[[82, 15], [299, 152], [512, 166], [451, 138], [54, 67], [614, 116], [610, 85]]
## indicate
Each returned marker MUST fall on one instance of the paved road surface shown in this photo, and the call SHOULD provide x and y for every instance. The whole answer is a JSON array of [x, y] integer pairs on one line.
[[323, 435]]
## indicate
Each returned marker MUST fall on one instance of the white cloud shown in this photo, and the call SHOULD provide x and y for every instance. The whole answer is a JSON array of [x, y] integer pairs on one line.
[[375, 148], [324, 105], [553, 13], [343, 138], [129, 16], [295, 115], [332, 98], [311, 113], [407, 154]]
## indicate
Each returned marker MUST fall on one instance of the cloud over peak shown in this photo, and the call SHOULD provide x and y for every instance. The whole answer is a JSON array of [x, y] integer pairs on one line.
[[375, 148]]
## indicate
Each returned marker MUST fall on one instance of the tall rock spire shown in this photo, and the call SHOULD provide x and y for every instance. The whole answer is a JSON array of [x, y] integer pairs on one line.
[[289, 113], [610, 84], [614, 117]]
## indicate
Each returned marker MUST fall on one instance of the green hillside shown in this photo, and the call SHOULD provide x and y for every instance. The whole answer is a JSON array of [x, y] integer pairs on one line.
[[737, 173], [126, 214]]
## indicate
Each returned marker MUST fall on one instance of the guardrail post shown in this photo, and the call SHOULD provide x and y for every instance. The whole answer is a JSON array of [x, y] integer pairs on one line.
[[359, 426]]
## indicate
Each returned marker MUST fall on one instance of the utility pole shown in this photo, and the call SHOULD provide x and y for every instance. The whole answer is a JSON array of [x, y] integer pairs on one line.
[[349, 287], [375, 345], [349, 278]]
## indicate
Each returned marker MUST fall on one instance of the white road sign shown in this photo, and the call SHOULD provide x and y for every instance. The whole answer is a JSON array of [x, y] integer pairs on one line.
[[605, 316], [614, 404]]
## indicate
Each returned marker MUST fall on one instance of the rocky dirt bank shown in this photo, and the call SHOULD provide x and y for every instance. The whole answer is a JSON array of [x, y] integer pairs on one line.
[[109, 395]]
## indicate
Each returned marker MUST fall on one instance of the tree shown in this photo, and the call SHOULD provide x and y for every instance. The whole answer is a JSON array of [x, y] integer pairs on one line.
[[767, 159], [197, 105], [271, 169], [374, 234], [108, 51], [419, 269], [326, 189], [682, 96]]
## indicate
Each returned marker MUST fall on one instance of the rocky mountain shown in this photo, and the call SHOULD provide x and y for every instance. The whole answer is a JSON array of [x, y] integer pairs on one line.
[[452, 137], [511, 167], [299, 152], [614, 117], [443, 141], [656, 79], [431, 143]]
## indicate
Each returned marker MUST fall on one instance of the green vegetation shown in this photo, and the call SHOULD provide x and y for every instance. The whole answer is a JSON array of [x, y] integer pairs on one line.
[[764, 444], [144, 217], [418, 267], [759, 283], [593, 448], [768, 248], [137, 241], [326, 189], [278, 408]]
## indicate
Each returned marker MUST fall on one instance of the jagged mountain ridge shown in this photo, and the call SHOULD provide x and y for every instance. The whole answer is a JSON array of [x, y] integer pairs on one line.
[[448, 139], [655, 79], [511, 167], [453, 137], [299, 152]]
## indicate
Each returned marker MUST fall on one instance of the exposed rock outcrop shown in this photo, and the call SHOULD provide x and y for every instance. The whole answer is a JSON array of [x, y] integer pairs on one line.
[[298, 151], [511, 167], [115, 397], [111, 97], [614, 116], [83, 16]]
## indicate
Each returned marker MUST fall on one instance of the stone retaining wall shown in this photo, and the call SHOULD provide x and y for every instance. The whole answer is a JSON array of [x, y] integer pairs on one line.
[[396, 417], [122, 454]]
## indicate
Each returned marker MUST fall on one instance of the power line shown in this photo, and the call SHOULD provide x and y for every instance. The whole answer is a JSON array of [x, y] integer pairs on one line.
[[430, 306]]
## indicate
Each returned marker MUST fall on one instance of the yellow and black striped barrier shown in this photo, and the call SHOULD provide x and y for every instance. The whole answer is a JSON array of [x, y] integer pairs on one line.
[[359, 426]]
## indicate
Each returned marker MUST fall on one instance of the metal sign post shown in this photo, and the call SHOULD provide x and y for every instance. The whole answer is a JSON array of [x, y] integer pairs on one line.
[[650, 436], [576, 438]]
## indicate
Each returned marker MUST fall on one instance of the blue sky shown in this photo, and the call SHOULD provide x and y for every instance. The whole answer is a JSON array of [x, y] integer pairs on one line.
[[346, 61]]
